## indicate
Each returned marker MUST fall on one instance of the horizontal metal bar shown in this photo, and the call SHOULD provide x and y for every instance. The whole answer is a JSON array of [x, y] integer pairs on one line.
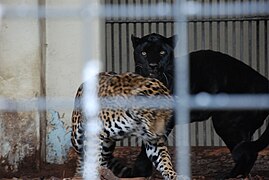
[[223, 19], [204, 101], [201, 101], [190, 19], [139, 11], [122, 21]]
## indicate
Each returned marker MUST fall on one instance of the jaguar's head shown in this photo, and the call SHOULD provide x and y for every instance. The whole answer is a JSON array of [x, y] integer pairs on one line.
[[154, 56]]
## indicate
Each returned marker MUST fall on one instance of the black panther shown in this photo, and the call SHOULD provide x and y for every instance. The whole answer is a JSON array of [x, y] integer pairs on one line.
[[211, 72]]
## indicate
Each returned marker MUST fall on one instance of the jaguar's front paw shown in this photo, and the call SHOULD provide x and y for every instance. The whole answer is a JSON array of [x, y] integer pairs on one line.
[[169, 175], [174, 176]]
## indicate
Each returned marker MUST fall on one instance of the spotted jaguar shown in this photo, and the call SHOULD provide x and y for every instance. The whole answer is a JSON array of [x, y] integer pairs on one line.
[[119, 122]]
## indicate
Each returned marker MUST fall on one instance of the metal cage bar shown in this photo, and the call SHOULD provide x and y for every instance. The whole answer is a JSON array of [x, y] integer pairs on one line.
[[209, 19]]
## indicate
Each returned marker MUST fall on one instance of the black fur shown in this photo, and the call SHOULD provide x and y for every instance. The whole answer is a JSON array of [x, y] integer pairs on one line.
[[212, 72]]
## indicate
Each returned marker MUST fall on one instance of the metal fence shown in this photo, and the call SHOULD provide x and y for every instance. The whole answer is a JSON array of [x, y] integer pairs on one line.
[[240, 30]]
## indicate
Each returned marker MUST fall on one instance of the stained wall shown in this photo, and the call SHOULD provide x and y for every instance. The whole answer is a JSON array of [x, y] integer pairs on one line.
[[19, 80]]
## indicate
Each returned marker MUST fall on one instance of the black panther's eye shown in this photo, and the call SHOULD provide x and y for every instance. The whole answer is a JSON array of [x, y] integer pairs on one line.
[[144, 53], [162, 52]]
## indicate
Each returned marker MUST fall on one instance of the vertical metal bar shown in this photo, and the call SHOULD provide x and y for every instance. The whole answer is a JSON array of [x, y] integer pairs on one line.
[[210, 31], [127, 48], [112, 43], [150, 24], [226, 32], [266, 48], [157, 23], [120, 41], [164, 25], [203, 47], [182, 91], [195, 48], [226, 36], [258, 56], [233, 39], [195, 35], [249, 39], [258, 44], [241, 35], [142, 24], [218, 29], [250, 42], [165, 29], [226, 50], [106, 49], [210, 47], [91, 55], [173, 28], [112, 48], [93, 126], [266, 54], [134, 2], [120, 47], [129, 143]]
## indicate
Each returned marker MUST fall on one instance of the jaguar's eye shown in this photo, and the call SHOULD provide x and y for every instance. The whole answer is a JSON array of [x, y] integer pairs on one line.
[[143, 53], [162, 52]]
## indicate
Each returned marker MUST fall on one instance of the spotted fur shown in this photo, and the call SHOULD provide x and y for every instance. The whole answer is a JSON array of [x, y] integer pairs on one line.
[[118, 123]]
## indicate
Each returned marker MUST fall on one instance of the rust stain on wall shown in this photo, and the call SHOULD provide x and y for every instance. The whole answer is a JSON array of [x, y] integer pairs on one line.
[[19, 140]]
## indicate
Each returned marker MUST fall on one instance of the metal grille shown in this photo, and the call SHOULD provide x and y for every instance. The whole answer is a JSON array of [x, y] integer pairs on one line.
[[241, 31]]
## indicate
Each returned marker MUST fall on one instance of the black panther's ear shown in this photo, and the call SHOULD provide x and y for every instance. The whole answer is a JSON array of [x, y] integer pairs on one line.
[[135, 40], [172, 41]]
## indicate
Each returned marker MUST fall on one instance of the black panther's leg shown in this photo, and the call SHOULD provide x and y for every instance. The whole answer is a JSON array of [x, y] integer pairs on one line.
[[244, 158], [142, 166], [245, 153], [233, 128]]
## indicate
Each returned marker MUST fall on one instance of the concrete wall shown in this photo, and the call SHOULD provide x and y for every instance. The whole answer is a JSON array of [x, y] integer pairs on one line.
[[68, 45], [63, 76], [39, 57], [19, 80]]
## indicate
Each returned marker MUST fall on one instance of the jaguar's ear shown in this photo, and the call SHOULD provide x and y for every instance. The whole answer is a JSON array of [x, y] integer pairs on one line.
[[172, 41], [135, 40]]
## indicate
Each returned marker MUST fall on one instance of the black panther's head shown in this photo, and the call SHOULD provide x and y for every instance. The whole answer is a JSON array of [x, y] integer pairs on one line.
[[154, 56]]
